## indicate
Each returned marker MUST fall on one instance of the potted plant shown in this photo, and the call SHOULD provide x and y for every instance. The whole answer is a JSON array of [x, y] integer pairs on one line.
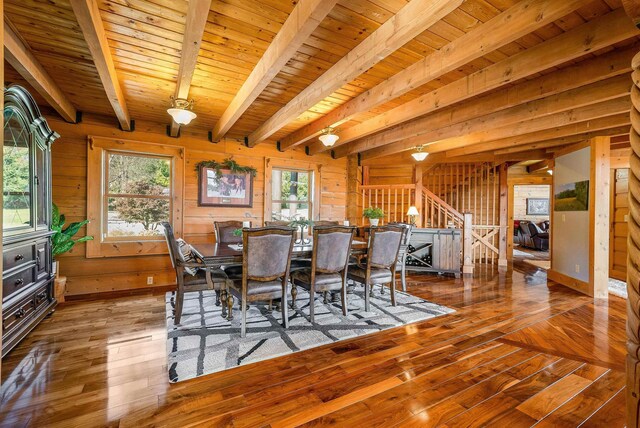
[[374, 214], [62, 239], [238, 233]]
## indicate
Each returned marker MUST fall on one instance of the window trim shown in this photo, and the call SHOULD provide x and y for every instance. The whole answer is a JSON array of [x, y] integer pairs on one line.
[[97, 150], [314, 202]]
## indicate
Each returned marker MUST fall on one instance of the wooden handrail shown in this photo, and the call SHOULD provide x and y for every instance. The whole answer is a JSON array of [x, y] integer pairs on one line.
[[429, 194]]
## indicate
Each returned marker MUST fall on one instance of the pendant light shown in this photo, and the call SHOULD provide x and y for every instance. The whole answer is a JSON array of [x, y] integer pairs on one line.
[[180, 111], [419, 155], [328, 138]]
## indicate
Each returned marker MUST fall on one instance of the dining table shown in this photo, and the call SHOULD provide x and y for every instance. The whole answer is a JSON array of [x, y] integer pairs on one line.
[[220, 254]]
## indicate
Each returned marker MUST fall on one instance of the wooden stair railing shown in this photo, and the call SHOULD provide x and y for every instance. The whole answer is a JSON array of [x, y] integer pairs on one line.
[[438, 213]]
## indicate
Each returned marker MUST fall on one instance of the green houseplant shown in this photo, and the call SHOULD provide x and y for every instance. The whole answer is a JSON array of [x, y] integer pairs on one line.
[[374, 214], [62, 239]]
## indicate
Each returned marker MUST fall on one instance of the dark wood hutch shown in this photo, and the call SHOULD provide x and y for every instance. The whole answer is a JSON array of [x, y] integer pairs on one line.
[[27, 278]]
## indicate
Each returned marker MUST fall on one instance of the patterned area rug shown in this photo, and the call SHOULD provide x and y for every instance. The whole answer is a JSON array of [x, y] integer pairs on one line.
[[206, 343]]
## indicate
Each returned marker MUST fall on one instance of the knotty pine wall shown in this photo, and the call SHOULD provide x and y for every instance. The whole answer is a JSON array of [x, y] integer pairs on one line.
[[95, 275]]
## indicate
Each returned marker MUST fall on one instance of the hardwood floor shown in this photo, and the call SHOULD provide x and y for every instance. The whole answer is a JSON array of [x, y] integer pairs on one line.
[[517, 352]]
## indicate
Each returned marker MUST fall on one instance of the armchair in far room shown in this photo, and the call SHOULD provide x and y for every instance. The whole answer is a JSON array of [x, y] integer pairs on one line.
[[539, 238]]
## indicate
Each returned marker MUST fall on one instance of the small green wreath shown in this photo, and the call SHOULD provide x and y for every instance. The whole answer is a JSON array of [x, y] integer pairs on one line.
[[229, 164]]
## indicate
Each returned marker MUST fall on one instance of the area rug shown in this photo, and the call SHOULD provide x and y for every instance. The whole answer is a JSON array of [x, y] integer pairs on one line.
[[205, 342], [618, 288], [518, 253], [542, 264]]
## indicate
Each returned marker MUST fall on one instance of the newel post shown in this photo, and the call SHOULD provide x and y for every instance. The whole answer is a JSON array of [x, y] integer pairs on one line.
[[467, 244], [632, 8]]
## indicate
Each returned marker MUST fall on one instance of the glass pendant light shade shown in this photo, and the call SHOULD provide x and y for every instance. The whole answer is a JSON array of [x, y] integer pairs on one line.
[[181, 112], [328, 138], [419, 155]]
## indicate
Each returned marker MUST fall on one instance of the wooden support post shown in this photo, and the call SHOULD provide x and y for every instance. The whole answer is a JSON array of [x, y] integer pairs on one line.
[[467, 245], [632, 7], [600, 194], [353, 174], [504, 217], [417, 180]]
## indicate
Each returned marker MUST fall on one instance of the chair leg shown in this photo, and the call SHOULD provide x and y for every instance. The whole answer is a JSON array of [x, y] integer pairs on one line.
[[343, 295], [294, 295], [392, 286], [223, 298], [312, 303], [366, 297], [229, 306], [403, 277], [243, 329], [217, 297], [285, 308], [178, 309], [381, 288]]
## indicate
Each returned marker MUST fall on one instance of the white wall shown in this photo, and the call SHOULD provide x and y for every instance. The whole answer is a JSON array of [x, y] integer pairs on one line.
[[521, 192], [570, 229]]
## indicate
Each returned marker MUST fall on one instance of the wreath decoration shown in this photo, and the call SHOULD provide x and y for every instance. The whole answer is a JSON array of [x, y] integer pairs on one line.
[[229, 164]]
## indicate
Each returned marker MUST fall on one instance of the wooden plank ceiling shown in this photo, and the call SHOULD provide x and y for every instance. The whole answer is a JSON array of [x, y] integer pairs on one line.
[[462, 91]]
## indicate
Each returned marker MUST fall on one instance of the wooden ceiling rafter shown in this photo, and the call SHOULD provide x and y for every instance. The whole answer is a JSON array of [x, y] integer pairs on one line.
[[570, 45], [19, 55], [304, 19], [88, 17], [409, 22], [413, 134], [512, 24], [197, 15]]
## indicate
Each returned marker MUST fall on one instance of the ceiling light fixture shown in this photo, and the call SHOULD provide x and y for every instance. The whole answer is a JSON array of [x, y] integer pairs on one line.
[[180, 111], [419, 155], [550, 171], [328, 138]]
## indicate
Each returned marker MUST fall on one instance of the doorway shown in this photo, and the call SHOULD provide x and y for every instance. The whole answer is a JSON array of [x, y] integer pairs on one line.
[[531, 228]]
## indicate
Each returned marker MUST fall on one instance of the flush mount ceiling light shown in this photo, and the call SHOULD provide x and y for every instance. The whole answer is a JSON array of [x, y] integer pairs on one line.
[[328, 138], [419, 155], [550, 171], [180, 111]]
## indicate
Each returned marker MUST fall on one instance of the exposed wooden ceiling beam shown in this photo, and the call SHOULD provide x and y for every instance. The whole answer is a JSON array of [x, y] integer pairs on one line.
[[410, 21], [88, 16], [304, 19], [438, 126], [197, 14], [583, 114], [586, 72], [573, 44], [538, 166], [18, 54], [517, 21], [509, 146]]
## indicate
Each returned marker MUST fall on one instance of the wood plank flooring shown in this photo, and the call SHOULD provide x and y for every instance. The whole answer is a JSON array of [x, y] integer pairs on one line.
[[517, 352]]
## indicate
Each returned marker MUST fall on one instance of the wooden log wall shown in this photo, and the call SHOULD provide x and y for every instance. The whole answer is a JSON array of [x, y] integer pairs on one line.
[[124, 273]]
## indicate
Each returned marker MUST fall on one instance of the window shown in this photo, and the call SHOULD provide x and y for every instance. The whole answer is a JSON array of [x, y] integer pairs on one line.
[[290, 194], [137, 195], [132, 187]]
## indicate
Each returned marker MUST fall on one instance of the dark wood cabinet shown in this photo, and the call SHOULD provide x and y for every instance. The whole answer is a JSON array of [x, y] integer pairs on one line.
[[27, 278]]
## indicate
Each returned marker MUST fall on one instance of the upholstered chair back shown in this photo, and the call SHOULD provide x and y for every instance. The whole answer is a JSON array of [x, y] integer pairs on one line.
[[384, 245], [224, 231], [281, 223], [332, 245], [267, 252]]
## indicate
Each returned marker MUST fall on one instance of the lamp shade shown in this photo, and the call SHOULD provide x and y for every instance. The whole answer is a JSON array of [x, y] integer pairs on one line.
[[328, 139], [181, 116], [420, 156], [413, 211]]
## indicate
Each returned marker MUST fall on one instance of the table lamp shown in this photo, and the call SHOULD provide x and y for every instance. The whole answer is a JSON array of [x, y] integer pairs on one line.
[[413, 213]]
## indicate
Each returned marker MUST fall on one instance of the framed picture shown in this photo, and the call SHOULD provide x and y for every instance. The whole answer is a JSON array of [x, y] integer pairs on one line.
[[227, 190], [572, 196], [537, 206]]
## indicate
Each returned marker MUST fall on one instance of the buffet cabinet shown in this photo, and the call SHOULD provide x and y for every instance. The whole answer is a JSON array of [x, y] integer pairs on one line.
[[27, 278], [435, 250]]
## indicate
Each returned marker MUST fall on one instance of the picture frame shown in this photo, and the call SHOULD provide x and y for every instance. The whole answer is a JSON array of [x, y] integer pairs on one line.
[[537, 206], [571, 196], [228, 189]]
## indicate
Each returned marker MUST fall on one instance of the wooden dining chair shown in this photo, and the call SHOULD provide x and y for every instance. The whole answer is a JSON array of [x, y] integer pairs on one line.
[[381, 262], [403, 252], [192, 274], [266, 262], [224, 231], [329, 264]]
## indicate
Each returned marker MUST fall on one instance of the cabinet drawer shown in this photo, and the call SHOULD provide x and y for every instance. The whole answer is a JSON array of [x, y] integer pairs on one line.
[[12, 283], [42, 297], [18, 314], [13, 257]]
